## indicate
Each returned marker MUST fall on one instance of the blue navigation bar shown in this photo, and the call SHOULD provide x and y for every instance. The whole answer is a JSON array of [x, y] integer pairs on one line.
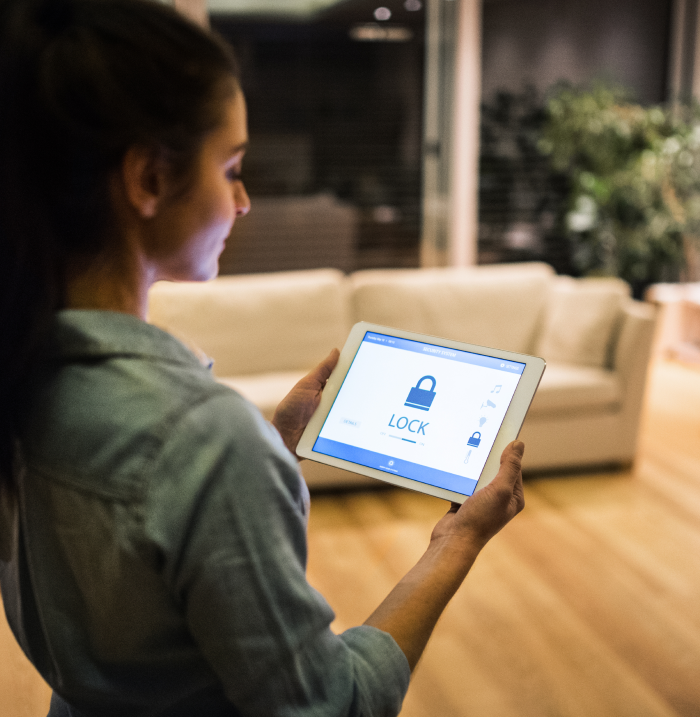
[[397, 466], [444, 352]]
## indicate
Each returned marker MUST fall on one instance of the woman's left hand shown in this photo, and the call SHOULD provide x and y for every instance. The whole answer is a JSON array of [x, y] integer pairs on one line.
[[297, 407]]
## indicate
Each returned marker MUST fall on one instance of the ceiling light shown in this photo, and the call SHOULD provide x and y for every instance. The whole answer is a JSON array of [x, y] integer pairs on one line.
[[413, 5], [382, 13], [373, 32]]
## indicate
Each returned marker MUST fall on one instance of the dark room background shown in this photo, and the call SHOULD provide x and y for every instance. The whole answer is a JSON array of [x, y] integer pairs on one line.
[[336, 121]]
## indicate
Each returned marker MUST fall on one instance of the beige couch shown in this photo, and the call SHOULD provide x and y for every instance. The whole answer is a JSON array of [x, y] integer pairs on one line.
[[265, 331]]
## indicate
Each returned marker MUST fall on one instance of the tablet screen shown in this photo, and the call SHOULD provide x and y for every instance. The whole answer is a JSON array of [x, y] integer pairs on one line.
[[421, 411]]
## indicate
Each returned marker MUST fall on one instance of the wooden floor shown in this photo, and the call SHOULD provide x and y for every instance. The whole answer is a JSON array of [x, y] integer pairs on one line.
[[587, 605]]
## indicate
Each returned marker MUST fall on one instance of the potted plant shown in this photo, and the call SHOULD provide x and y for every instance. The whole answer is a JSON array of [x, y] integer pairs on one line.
[[634, 182]]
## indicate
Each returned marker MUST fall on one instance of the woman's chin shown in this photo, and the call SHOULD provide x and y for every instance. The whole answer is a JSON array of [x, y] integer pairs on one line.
[[207, 270], [195, 275], [208, 274]]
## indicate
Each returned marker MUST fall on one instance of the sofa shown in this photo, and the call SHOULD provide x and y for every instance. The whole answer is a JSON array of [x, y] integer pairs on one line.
[[266, 331]]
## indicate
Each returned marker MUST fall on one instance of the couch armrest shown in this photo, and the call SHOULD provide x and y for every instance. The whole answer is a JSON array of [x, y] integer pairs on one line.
[[631, 356], [634, 339]]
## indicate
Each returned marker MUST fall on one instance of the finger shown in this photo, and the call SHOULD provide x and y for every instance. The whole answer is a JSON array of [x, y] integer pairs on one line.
[[332, 359], [515, 446], [511, 464], [519, 495], [317, 378], [323, 371]]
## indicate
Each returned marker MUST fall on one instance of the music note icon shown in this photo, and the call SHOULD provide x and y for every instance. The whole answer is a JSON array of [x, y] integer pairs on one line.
[[497, 389]]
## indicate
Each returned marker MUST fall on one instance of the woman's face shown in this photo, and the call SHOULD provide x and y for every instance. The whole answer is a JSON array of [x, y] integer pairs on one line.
[[194, 227]]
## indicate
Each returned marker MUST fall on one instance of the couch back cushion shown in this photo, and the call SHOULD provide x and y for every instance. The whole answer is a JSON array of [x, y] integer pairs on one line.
[[285, 321], [498, 306], [581, 320]]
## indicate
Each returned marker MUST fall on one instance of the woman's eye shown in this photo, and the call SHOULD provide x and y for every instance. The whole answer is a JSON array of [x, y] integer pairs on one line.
[[233, 175]]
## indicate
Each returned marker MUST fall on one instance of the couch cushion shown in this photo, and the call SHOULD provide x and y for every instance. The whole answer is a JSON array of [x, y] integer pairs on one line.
[[497, 306], [265, 390], [287, 321], [564, 388], [568, 389], [580, 320]]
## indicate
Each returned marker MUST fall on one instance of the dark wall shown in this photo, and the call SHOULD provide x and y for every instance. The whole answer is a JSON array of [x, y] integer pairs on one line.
[[330, 115], [539, 42]]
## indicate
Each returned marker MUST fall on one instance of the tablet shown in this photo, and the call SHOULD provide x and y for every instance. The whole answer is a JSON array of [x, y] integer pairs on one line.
[[424, 413]]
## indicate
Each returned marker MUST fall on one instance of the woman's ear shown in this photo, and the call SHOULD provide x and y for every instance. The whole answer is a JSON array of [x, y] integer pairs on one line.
[[144, 178]]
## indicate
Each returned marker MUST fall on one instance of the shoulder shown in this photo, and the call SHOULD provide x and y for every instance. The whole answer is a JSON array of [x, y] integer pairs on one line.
[[121, 397]]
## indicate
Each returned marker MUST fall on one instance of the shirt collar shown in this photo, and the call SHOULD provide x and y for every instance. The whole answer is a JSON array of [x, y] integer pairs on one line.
[[88, 334]]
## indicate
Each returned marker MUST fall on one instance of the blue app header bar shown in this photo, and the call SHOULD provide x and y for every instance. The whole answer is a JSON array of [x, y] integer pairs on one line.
[[443, 352]]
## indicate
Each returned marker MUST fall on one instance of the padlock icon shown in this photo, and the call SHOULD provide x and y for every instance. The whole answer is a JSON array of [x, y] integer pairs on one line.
[[419, 397], [474, 441]]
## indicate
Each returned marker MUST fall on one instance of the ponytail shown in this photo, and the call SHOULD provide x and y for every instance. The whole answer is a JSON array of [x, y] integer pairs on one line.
[[81, 81]]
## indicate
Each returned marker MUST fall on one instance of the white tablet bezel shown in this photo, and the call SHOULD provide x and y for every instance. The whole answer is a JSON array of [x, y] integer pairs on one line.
[[510, 428]]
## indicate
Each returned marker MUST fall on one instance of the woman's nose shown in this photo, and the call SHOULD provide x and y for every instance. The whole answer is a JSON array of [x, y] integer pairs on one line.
[[241, 199]]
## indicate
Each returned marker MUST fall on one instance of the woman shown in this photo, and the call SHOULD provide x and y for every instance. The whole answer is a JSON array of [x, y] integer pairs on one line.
[[152, 525]]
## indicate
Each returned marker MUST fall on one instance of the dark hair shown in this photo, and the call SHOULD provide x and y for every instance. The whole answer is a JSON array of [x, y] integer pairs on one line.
[[81, 81]]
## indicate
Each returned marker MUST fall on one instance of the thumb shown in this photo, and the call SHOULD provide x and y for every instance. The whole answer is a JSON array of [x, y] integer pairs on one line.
[[317, 377], [511, 460], [325, 368]]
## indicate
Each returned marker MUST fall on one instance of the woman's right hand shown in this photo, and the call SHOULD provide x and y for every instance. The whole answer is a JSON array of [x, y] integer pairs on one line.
[[482, 515], [409, 613]]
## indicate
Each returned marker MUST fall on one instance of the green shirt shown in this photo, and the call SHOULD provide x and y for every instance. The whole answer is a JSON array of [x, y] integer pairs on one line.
[[154, 562]]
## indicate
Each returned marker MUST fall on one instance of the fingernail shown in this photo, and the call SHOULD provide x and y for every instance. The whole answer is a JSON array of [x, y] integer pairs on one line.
[[519, 446]]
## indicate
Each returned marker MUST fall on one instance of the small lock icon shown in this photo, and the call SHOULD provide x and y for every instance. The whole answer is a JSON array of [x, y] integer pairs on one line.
[[474, 441], [419, 397]]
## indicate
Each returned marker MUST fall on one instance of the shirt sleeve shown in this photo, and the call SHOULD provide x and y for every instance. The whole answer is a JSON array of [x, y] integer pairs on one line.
[[237, 567]]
